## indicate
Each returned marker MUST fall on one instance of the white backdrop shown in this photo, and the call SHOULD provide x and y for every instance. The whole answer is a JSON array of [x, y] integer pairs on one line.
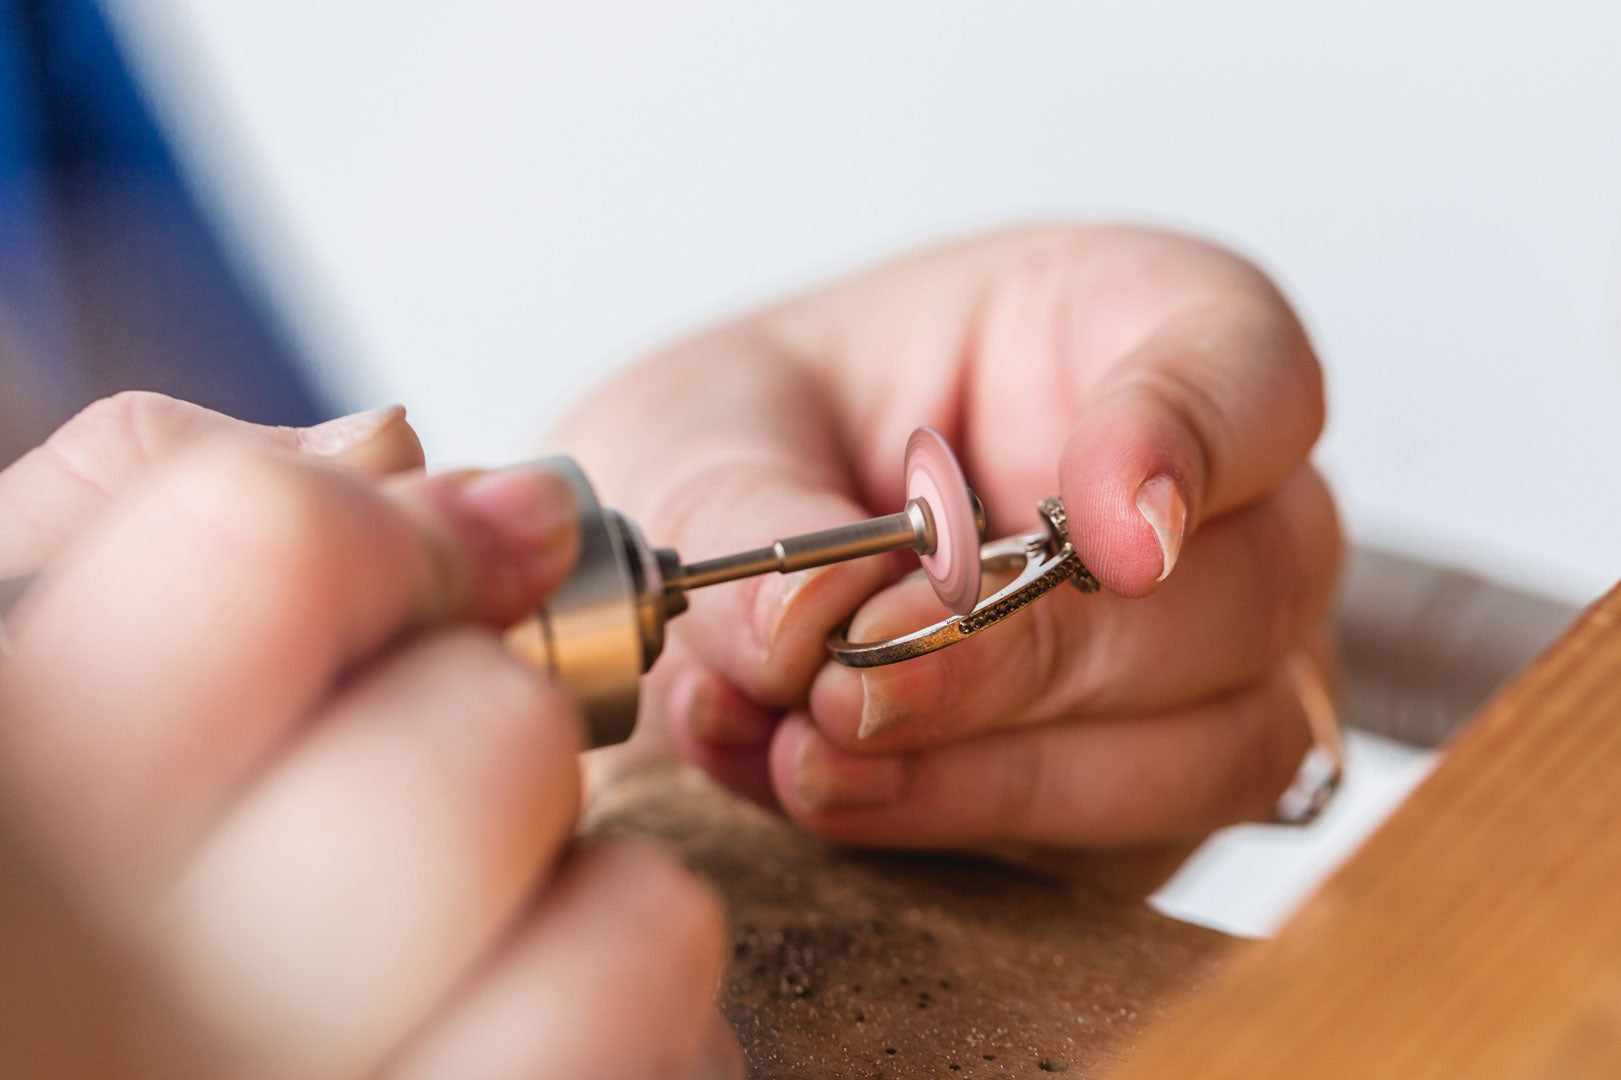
[[477, 207]]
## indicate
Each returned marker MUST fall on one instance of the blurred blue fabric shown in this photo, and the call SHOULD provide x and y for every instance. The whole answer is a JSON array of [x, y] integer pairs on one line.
[[110, 276]]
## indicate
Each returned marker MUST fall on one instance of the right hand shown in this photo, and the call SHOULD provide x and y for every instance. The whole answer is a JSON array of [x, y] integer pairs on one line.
[[262, 734]]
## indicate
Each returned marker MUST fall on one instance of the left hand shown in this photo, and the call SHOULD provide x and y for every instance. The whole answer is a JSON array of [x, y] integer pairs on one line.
[[1161, 386]]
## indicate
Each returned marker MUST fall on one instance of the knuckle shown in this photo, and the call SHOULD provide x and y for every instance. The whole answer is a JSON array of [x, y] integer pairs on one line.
[[1293, 551], [771, 618], [1197, 402], [1294, 375], [1044, 249], [110, 435], [728, 473], [293, 543], [1241, 303], [125, 413], [259, 502]]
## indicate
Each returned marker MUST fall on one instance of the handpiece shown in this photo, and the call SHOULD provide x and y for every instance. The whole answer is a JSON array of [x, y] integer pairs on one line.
[[604, 627]]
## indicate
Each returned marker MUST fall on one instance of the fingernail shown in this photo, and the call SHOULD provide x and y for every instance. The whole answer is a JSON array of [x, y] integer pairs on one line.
[[709, 714], [534, 510], [337, 435], [1162, 507], [879, 713], [825, 779], [526, 504], [778, 594]]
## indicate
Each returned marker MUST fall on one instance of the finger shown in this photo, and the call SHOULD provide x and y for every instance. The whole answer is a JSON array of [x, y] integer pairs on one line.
[[1167, 379], [1095, 784], [1254, 584], [364, 875], [1181, 383], [49, 494], [756, 456], [1212, 411], [612, 975], [715, 725], [720, 1057], [211, 610], [380, 442]]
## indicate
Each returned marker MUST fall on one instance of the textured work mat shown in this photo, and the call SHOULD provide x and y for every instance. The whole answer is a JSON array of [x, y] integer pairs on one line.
[[857, 965]]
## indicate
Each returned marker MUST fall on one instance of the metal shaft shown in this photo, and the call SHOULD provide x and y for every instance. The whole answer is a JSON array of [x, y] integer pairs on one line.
[[912, 528]]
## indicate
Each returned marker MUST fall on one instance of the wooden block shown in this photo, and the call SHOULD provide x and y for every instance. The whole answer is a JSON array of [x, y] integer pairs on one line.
[[1478, 934], [859, 965]]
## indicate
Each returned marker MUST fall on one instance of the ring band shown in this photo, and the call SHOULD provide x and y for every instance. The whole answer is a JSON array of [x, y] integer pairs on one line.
[[1040, 572], [1043, 561]]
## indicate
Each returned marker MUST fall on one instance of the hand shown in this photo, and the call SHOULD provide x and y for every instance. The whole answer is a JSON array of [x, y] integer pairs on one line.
[[1161, 386], [261, 733]]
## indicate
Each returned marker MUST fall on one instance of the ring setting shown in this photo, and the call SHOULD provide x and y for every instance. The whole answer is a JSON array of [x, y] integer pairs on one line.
[[1041, 561]]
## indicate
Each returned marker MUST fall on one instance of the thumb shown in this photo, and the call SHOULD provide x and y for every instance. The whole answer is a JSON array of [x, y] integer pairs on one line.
[[1210, 413], [758, 456], [765, 634], [50, 493]]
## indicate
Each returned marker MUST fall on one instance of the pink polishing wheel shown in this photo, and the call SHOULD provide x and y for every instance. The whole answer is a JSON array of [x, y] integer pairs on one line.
[[933, 475]]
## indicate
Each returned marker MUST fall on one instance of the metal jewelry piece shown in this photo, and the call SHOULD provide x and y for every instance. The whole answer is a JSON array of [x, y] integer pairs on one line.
[[1044, 560]]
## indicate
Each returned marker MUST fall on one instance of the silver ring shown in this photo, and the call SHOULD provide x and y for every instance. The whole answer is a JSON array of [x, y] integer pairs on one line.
[[1042, 568], [1052, 511]]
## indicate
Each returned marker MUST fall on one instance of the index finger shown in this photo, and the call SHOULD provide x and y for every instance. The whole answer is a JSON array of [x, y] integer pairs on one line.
[[54, 490], [204, 617]]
